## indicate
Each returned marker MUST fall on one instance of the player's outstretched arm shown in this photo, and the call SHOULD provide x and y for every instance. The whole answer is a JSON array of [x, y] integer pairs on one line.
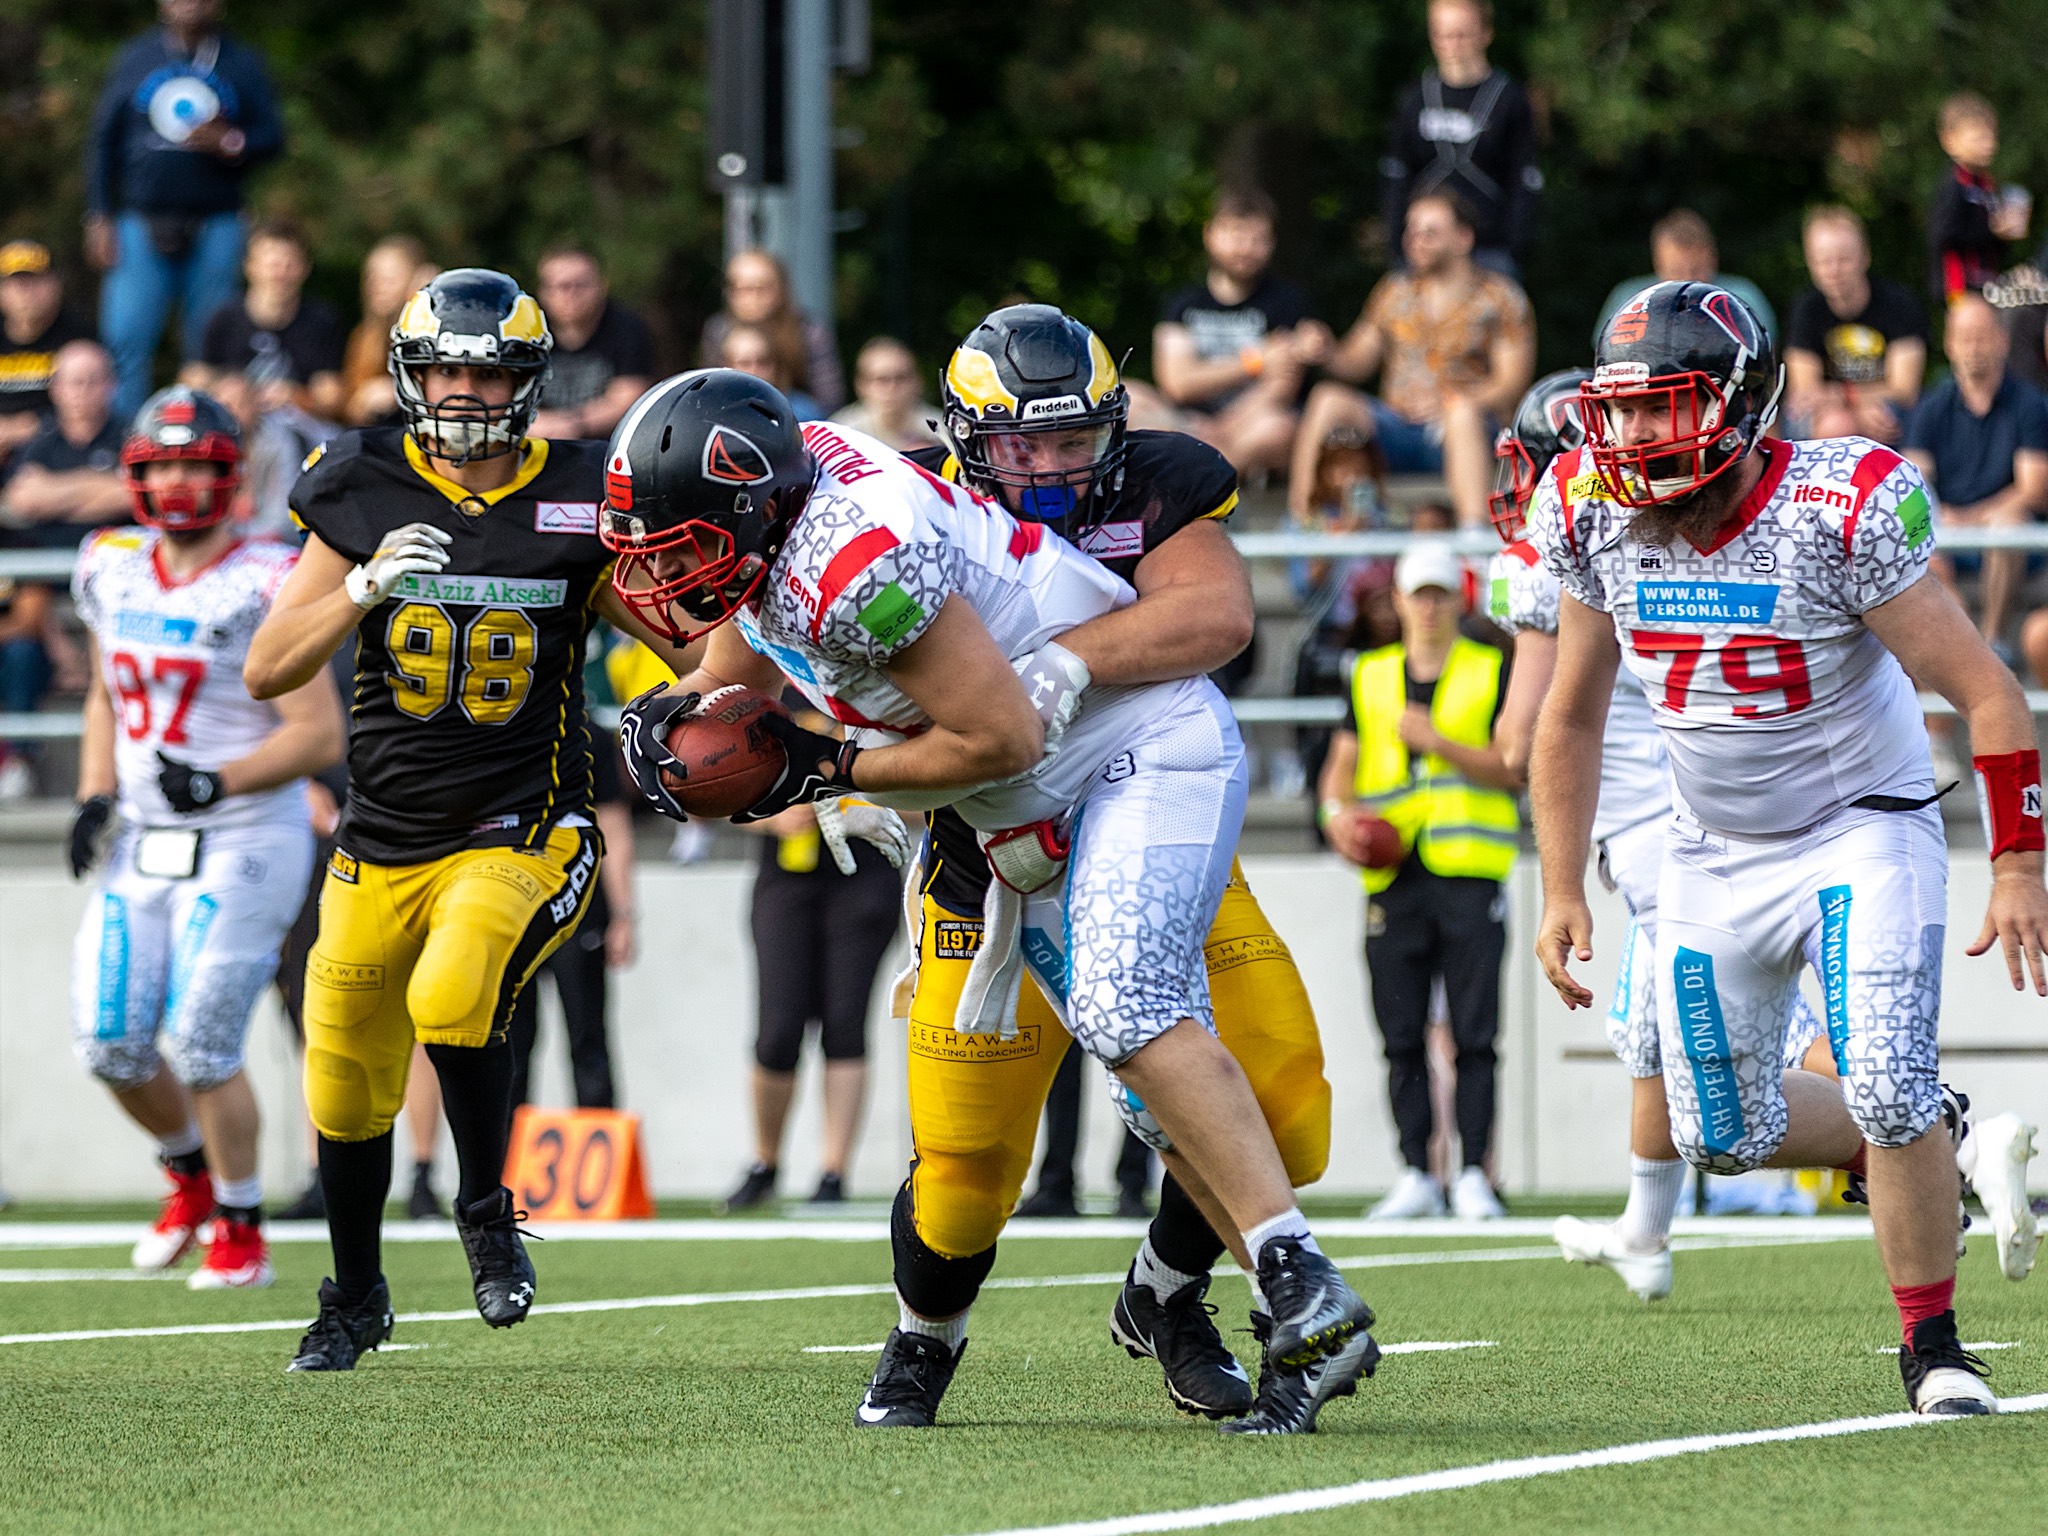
[[1934, 640], [1193, 613], [1564, 788], [308, 619]]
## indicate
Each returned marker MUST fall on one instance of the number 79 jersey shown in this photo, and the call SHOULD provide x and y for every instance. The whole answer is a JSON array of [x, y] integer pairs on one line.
[[1777, 703], [171, 657]]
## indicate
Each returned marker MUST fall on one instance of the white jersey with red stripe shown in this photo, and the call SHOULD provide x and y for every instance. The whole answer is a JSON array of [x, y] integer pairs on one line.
[[1778, 705], [1635, 775], [171, 656], [878, 549]]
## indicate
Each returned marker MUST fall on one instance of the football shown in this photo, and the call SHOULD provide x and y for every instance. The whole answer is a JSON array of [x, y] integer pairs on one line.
[[729, 760]]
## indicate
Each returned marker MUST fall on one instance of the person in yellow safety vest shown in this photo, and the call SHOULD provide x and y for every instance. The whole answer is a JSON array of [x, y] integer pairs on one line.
[[1418, 795]]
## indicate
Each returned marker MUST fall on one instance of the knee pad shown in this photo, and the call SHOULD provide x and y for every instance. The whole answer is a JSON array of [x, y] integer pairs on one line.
[[1899, 1115], [957, 1202], [123, 1062], [1136, 1117], [199, 1067], [344, 1102], [930, 1283], [1751, 1150], [450, 996]]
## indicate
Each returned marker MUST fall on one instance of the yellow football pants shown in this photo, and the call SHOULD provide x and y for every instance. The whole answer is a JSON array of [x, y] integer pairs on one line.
[[435, 952], [975, 1100]]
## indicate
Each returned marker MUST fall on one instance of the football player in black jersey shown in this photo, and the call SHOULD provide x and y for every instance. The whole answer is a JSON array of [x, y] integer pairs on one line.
[[1035, 415], [465, 554]]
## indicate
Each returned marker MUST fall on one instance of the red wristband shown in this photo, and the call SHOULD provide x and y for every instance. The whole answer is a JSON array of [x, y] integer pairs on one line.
[[2009, 798]]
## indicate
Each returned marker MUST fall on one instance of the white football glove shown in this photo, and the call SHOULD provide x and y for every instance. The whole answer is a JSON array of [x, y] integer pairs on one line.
[[1054, 678], [407, 551], [847, 817]]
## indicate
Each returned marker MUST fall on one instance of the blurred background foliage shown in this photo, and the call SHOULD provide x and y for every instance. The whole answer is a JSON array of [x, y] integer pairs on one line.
[[1063, 150]]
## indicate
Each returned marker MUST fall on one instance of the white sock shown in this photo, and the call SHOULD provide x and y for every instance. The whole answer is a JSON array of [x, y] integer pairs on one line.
[[952, 1333], [1149, 1269], [1290, 1224], [238, 1193], [181, 1143], [1653, 1189]]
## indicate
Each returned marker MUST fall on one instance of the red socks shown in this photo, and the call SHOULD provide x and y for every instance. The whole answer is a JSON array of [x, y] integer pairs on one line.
[[1916, 1302]]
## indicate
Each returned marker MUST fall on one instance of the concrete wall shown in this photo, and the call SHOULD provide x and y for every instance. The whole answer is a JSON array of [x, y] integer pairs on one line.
[[683, 1020]]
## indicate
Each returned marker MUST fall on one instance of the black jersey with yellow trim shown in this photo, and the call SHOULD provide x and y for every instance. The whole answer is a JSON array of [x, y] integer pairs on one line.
[[1170, 481], [469, 728]]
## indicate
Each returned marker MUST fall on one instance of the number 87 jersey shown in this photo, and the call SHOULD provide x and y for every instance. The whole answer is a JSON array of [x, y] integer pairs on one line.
[[1777, 703]]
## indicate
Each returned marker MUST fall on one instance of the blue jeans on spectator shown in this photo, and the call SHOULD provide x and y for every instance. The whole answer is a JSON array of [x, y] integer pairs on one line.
[[1411, 449], [24, 679], [142, 285]]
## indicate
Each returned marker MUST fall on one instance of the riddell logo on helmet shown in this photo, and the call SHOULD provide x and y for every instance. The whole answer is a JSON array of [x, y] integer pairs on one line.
[[734, 459], [1062, 405], [1631, 325]]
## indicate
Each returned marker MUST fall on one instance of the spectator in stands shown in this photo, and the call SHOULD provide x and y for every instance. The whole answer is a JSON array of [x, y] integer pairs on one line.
[[750, 349], [1416, 794], [185, 115], [25, 610], [1971, 217], [1454, 346], [67, 478], [1981, 439], [757, 293], [604, 353], [889, 402], [33, 324], [395, 270], [1856, 347], [1467, 128], [1683, 250], [275, 443], [287, 346], [2021, 296], [1231, 352]]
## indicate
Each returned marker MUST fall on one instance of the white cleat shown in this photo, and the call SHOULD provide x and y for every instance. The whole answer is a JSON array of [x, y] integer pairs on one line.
[[1473, 1199], [1647, 1275], [1417, 1194], [2005, 1145]]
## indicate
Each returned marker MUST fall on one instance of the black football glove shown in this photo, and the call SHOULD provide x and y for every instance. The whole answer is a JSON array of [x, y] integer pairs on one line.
[[818, 766], [187, 788], [86, 840], [644, 725]]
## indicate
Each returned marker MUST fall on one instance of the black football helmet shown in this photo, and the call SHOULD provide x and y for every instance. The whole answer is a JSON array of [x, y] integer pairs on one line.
[[1015, 395], [1546, 423], [1696, 354], [482, 319], [182, 423], [703, 478]]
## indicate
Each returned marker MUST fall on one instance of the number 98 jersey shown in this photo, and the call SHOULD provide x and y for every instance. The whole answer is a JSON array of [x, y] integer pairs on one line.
[[171, 656], [1777, 703], [468, 719]]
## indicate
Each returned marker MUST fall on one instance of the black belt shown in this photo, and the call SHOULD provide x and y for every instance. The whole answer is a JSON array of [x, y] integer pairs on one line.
[[1899, 802]]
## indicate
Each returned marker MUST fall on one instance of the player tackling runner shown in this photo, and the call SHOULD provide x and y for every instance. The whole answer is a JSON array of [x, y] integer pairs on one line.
[[1768, 595]]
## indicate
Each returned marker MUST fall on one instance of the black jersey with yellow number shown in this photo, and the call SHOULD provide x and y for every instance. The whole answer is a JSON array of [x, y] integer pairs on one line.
[[1170, 481], [469, 728]]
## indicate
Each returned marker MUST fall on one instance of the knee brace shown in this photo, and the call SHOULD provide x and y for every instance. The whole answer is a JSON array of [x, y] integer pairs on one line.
[[930, 1283]]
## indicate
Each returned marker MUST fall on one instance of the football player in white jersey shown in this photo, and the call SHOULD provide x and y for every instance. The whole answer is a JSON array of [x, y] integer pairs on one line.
[[1628, 832], [203, 792], [1768, 595], [923, 617]]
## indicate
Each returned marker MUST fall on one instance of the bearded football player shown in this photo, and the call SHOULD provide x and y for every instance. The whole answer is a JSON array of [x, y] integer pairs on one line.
[[464, 555], [1770, 598]]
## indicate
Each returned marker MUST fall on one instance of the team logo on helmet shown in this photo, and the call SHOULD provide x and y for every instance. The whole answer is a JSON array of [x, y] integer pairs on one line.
[[618, 484], [1722, 309], [1631, 323], [734, 459]]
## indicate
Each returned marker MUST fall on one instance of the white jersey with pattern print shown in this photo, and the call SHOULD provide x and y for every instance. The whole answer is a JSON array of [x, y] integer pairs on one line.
[[171, 656], [1778, 705], [877, 551]]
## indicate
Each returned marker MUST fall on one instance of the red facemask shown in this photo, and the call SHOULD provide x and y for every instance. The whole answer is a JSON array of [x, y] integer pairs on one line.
[[183, 509], [1697, 445]]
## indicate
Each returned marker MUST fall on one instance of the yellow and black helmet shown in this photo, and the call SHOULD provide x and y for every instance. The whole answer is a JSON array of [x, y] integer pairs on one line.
[[480, 319], [1034, 410]]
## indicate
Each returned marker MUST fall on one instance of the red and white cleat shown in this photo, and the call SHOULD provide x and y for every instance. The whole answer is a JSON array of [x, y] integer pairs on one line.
[[185, 1210], [236, 1256]]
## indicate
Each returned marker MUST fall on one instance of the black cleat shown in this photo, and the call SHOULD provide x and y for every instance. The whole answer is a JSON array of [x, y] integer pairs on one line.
[[1044, 1203], [498, 1264], [910, 1378], [831, 1190], [1942, 1378], [343, 1334], [310, 1206], [423, 1204], [1313, 1310], [757, 1188], [1202, 1375], [1290, 1400]]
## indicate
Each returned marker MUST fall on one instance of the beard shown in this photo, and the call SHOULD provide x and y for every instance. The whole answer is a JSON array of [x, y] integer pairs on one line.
[[1695, 518]]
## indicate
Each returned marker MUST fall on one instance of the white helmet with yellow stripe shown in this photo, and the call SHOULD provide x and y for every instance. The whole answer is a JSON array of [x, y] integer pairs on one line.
[[477, 319]]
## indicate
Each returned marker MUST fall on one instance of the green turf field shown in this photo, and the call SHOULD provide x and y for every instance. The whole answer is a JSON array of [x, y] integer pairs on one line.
[[715, 1418]]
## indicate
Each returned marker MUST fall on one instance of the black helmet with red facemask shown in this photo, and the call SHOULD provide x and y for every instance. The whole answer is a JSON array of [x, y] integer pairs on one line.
[[1695, 357], [183, 424], [1546, 423], [703, 478]]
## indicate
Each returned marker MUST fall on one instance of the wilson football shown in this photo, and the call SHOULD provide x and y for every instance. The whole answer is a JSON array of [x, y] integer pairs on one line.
[[729, 760]]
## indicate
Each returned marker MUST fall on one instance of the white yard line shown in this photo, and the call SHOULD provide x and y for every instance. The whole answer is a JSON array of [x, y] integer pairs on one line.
[[53, 1276], [1379, 1490], [1414, 1347], [805, 1293]]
